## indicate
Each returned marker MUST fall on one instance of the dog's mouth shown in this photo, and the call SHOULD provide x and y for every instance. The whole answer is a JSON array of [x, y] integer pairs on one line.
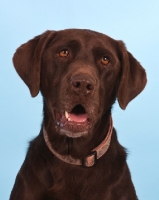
[[75, 123]]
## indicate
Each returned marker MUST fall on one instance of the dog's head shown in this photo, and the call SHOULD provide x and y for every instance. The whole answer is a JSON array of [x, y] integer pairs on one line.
[[80, 73]]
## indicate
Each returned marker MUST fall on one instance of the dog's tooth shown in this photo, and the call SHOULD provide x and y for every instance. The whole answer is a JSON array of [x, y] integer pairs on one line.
[[69, 119], [66, 114]]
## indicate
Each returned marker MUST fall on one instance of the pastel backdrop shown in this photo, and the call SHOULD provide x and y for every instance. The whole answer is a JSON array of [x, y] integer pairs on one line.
[[134, 22]]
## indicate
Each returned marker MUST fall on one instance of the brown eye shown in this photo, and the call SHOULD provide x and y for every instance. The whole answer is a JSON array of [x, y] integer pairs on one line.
[[64, 53], [105, 60]]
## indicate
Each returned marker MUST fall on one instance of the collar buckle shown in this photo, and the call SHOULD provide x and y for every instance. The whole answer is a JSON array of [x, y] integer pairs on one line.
[[90, 160]]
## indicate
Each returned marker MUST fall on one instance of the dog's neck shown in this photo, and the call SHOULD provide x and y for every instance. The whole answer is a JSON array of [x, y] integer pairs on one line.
[[90, 159]]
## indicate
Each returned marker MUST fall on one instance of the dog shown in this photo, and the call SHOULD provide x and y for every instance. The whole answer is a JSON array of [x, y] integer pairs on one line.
[[76, 156]]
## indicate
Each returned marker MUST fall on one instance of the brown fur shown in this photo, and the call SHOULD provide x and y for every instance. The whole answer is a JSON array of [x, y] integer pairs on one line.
[[42, 175]]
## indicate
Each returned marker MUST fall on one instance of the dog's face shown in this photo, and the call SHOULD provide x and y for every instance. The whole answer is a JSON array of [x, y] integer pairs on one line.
[[80, 74]]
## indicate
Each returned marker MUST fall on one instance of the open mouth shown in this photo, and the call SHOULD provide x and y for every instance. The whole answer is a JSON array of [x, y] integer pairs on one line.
[[75, 123]]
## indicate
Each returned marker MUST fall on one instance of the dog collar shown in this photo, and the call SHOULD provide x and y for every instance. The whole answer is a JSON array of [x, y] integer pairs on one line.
[[88, 161]]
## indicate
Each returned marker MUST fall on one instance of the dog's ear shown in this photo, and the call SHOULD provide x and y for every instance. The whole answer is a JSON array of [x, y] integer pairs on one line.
[[133, 77], [27, 60]]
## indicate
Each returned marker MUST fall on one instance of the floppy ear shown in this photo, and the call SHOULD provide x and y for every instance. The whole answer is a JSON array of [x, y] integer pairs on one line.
[[27, 60], [133, 77]]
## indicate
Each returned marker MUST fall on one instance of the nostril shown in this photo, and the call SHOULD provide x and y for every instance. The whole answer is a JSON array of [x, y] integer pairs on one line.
[[90, 87], [76, 84]]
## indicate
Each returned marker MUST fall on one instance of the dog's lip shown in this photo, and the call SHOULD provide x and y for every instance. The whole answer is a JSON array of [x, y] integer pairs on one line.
[[75, 123]]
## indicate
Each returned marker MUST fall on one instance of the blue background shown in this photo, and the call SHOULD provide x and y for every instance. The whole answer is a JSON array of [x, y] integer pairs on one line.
[[137, 24]]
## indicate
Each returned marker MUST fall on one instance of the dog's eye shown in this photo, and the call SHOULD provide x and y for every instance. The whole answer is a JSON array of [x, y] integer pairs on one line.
[[64, 53], [105, 60]]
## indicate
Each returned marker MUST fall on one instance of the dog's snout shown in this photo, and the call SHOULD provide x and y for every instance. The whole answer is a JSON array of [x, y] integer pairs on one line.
[[82, 84]]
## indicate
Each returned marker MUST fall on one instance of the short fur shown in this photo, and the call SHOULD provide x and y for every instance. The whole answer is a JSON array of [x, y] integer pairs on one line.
[[38, 62]]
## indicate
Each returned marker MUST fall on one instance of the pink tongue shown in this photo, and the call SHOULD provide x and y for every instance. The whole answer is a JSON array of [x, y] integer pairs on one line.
[[78, 118]]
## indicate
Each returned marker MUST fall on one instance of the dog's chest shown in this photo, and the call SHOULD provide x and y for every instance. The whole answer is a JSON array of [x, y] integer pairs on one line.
[[81, 184]]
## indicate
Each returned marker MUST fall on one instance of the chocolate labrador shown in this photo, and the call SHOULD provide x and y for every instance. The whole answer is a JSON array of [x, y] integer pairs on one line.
[[77, 156]]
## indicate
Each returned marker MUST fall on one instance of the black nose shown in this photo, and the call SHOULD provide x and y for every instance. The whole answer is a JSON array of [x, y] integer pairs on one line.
[[82, 84]]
